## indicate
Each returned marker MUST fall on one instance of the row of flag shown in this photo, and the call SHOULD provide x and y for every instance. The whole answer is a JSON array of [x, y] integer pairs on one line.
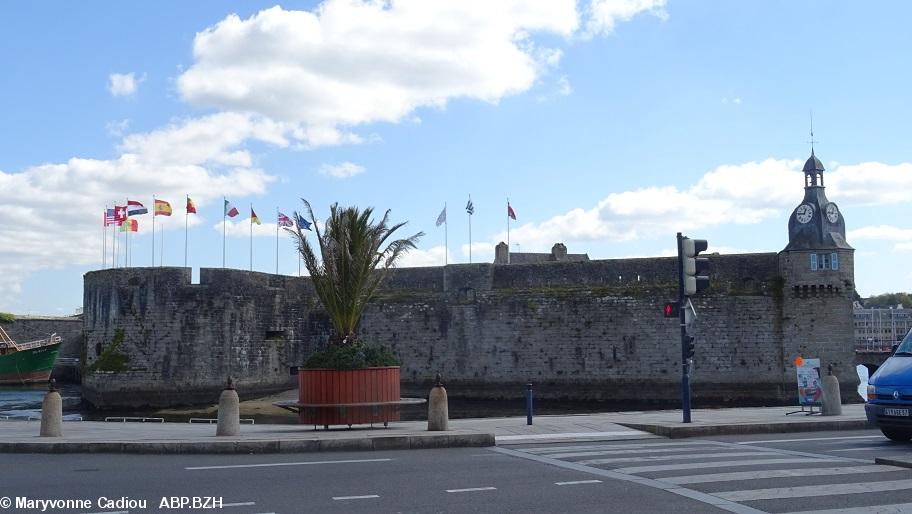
[[121, 215], [470, 209]]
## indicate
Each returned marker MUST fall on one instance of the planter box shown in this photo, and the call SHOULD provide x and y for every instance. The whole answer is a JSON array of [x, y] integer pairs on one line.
[[347, 397]]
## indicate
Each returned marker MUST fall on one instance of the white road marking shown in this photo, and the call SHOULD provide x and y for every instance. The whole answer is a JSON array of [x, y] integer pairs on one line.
[[702, 451], [362, 497], [873, 509], [719, 464], [575, 482], [567, 435], [239, 504], [779, 473], [814, 490], [860, 448], [308, 463], [471, 489], [554, 449], [654, 458], [813, 439]]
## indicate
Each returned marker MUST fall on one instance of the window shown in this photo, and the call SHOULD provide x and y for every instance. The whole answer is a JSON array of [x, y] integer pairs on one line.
[[834, 259], [813, 262], [822, 261]]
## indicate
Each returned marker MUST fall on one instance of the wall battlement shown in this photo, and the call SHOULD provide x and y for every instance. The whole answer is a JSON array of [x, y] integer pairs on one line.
[[579, 330]]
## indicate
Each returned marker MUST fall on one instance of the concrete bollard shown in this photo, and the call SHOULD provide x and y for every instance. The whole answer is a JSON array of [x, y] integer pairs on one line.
[[438, 409], [52, 412], [832, 399], [229, 412]]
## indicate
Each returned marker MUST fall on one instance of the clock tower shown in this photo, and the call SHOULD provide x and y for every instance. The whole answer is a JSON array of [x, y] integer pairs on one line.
[[818, 278], [816, 223]]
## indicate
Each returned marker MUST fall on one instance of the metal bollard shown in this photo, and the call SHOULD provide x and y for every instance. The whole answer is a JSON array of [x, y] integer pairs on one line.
[[529, 403]]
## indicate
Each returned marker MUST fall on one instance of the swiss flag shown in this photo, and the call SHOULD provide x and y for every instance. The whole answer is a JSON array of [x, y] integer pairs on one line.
[[120, 213]]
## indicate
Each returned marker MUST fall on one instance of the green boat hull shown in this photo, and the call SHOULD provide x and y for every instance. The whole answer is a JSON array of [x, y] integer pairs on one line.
[[28, 366]]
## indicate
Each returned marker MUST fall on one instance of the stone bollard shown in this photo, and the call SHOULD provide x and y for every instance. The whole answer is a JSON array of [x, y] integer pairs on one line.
[[832, 399], [52, 412], [438, 410], [229, 412]]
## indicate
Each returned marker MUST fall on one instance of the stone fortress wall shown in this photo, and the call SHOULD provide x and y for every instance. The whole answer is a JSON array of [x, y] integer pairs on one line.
[[589, 330]]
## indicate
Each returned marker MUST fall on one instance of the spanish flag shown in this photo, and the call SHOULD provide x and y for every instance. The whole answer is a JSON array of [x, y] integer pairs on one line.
[[162, 208]]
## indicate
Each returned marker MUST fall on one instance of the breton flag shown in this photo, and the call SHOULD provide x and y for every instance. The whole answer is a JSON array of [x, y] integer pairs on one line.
[[162, 208], [442, 218], [285, 221], [134, 208], [109, 218], [230, 210], [510, 212], [254, 218], [303, 223], [120, 213], [191, 207], [129, 225], [470, 207]]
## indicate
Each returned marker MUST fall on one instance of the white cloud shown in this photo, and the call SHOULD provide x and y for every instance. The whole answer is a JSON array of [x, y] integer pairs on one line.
[[73, 194], [241, 228], [341, 170], [117, 128], [880, 232], [564, 87], [124, 84], [419, 258], [349, 62], [741, 194], [604, 15], [481, 251]]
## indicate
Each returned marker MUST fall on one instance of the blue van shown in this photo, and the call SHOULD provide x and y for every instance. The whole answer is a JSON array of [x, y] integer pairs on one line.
[[890, 394]]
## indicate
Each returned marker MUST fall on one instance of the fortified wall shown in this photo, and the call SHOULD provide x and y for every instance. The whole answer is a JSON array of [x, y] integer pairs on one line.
[[589, 330]]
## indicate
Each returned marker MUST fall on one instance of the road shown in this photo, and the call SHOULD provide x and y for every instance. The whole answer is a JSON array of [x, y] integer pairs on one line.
[[818, 471]]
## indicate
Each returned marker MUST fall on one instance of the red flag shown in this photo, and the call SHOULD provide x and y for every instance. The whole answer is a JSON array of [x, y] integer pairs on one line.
[[120, 213], [510, 212], [191, 207]]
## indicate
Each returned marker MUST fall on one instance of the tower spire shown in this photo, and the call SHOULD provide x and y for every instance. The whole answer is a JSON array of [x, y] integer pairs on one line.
[[812, 132]]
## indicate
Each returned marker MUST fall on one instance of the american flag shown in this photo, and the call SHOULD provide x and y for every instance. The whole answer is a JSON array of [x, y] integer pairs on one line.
[[109, 218], [285, 221]]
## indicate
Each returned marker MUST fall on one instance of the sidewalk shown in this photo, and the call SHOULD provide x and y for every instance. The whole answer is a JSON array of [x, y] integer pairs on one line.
[[133, 437]]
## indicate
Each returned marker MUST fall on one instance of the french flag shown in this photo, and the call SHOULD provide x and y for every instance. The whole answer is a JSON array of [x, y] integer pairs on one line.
[[230, 210]]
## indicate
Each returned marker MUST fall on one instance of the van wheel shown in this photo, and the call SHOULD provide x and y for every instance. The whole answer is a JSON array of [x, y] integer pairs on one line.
[[897, 434]]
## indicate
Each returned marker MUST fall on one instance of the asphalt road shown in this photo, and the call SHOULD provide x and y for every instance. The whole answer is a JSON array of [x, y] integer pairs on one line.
[[779, 473]]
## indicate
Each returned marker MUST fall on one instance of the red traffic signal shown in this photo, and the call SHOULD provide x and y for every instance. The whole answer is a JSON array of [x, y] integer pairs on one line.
[[671, 310]]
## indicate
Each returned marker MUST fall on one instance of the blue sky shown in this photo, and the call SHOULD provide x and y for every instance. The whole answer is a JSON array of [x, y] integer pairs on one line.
[[610, 125]]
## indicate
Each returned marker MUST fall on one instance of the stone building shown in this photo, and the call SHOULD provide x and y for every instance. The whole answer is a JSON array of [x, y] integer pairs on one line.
[[503, 255]]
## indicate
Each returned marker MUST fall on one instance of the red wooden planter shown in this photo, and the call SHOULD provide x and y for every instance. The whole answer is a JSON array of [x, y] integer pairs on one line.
[[349, 396]]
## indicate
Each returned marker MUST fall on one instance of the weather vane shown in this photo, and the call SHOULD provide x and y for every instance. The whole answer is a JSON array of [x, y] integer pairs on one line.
[[812, 141]]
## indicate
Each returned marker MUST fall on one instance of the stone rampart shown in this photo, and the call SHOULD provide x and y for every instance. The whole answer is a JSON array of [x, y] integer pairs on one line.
[[578, 330]]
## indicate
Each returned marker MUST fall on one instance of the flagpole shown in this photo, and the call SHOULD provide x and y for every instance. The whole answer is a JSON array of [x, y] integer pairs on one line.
[[251, 237], [508, 230], [114, 240], [161, 258], [223, 230], [153, 230], [104, 239], [277, 240], [470, 231], [446, 247], [186, 232]]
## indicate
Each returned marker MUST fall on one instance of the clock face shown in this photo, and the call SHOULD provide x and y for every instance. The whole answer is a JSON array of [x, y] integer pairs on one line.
[[832, 212], [804, 213]]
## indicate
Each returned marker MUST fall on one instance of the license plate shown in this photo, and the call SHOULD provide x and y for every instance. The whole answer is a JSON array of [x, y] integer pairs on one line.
[[896, 412]]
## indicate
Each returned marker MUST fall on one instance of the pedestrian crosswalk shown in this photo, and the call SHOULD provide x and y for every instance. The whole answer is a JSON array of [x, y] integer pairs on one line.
[[744, 478]]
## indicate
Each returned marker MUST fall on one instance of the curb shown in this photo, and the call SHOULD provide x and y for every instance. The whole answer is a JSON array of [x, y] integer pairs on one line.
[[683, 431], [403, 442]]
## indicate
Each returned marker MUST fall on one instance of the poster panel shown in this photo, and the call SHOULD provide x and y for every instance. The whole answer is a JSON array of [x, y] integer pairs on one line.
[[809, 389]]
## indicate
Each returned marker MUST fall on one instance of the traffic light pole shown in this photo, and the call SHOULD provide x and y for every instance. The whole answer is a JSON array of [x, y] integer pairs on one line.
[[685, 366]]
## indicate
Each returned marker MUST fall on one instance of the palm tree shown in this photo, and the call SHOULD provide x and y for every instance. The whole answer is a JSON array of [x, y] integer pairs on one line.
[[353, 262]]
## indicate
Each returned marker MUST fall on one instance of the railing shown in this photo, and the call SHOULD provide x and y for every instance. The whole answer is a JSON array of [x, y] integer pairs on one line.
[[37, 344], [124, 419], [215, 420]]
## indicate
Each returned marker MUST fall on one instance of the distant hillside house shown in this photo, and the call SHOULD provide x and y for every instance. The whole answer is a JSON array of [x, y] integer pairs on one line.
[[502, 255]]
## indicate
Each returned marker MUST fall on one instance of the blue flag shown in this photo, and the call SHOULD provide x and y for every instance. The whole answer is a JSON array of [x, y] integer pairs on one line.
[[303, 223]]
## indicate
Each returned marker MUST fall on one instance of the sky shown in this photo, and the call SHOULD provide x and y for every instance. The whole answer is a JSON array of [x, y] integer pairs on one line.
[[610, 125]]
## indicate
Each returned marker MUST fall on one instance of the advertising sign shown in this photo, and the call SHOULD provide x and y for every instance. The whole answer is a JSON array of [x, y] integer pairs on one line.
[[809, 388]]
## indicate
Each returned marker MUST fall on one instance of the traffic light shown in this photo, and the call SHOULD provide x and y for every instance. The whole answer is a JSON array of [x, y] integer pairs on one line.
[[689, 347], [671, 310], [696, 269]]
